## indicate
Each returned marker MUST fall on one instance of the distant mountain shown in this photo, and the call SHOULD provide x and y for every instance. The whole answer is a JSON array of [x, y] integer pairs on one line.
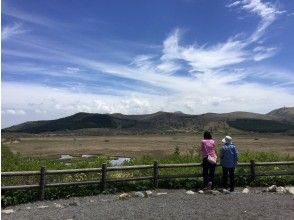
[[280, 120], [284, 113]]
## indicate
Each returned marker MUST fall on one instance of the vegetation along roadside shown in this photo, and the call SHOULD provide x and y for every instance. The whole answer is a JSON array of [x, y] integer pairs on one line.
[[17, 162]]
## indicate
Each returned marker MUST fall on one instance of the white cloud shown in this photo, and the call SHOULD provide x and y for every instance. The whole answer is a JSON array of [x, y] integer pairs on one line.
[[234, 51], [265, 10], [13, 112], [168, 67], [151, 63], [171, 46], [215, 85], [143, 61], [72, 70], [27, 17], [218, 94], [158, 72], [40, 111], [271, 73], [203, 58], [261, 53], [9, 31], [233, 4]]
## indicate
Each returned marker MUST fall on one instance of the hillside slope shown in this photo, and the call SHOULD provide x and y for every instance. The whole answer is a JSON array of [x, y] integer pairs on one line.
[[279, 120], [284, 113]]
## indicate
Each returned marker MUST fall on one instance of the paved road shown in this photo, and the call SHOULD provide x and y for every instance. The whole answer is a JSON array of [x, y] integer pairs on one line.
[[176, 204]]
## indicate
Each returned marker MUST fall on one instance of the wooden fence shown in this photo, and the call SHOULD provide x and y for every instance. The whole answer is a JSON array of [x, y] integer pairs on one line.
[[43, 173]]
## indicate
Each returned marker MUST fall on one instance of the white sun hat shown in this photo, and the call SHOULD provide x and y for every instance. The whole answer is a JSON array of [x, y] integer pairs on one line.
[[227, 140]]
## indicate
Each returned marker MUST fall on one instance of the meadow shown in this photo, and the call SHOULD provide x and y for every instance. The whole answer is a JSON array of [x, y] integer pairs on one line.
[[31, 153], [140, 145]]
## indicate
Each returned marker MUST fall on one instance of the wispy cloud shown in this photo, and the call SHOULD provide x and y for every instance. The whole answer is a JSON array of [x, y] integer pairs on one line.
[[261, 53], [233, 4], [202, 58], [205, 95], [174, 76], [235, 50], [277, 76], [9, 31], [72, 70], [158, 72], [13, 112], [20, 15], [267, 11]]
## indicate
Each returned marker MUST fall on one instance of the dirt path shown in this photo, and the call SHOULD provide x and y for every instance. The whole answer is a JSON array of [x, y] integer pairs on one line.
[[176, 204]]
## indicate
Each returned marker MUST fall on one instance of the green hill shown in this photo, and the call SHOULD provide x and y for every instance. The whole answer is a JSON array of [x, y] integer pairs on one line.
[[161, 122], [259, 125], [284, 113]]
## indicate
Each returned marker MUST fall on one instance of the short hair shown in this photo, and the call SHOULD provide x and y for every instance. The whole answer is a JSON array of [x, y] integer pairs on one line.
[[207, 135]]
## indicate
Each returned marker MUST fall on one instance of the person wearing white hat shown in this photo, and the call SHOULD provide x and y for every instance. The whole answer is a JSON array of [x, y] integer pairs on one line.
[[228, 160]]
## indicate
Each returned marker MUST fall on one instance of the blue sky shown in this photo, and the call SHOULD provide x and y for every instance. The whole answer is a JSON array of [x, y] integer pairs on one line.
[[60, 57]]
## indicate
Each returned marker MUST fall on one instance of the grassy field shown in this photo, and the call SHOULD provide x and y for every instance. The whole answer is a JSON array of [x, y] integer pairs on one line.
[[37, 152], [137, 146]]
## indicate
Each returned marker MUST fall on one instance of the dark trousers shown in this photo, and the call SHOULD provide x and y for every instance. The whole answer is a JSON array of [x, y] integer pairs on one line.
[[229, 172], [208, 172]]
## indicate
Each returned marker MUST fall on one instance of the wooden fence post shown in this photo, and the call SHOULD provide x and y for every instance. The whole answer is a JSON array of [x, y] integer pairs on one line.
[[252, 170], [155, 174], [103, 177], [42, 183]]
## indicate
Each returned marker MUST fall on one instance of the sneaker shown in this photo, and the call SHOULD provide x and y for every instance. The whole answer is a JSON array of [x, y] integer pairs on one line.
[[225, 191]]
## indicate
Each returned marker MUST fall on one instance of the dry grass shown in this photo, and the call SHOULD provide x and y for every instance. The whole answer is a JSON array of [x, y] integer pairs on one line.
[[132, 145]]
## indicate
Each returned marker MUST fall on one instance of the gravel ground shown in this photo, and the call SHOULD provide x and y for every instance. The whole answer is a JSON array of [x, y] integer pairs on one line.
[[176, 204]]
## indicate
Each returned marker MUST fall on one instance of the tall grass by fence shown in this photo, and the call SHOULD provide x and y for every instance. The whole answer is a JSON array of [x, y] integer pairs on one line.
[[102, 175], [60, 178]]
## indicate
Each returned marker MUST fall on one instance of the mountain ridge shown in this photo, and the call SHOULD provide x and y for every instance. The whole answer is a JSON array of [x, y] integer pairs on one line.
[[278, 120]]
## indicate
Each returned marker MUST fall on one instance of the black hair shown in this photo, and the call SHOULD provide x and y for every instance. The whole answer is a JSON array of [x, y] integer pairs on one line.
[[207, 135]]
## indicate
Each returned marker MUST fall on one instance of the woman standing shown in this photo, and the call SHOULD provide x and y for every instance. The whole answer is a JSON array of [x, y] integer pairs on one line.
[[209, 159], [229, 160]]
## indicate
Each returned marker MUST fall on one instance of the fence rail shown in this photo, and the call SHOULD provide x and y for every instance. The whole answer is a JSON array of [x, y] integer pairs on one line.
[[43, 174]]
